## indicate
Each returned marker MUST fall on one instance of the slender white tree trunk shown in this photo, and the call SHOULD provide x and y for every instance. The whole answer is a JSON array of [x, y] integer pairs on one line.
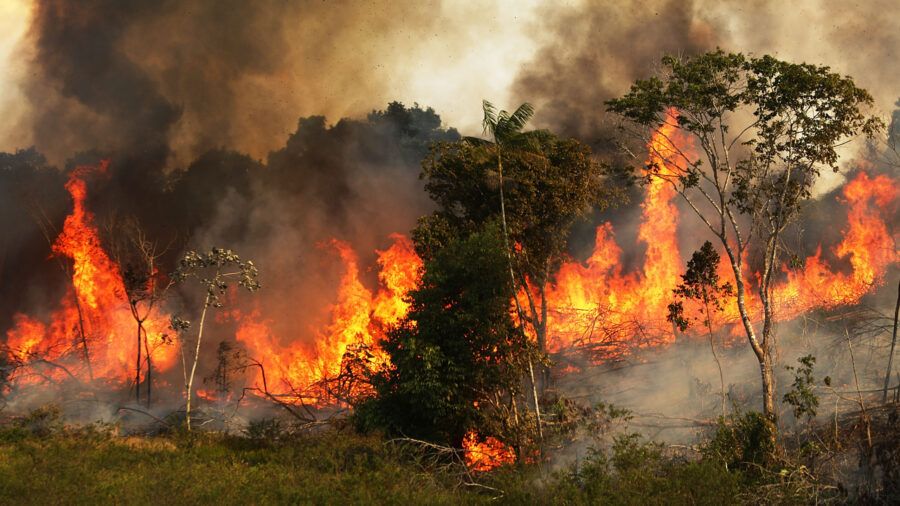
[[189, 386]]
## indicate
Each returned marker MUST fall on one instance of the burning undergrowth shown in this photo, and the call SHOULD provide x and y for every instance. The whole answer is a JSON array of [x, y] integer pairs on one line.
[[86, 301], [327, 302]]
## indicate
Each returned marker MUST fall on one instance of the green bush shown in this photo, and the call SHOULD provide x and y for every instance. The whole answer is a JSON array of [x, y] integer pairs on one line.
[[742, 442]]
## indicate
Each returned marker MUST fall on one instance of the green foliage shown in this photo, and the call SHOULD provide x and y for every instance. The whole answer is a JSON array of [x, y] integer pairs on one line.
[[634, 471], [742, 442], [760, 131], [213, 269], [43, 421], [457, 346], [802, 396], [417, 128], [91, 465], [800, 112], [700, 283], [502, 126], [265, 429], [212, 468], [547, 187]]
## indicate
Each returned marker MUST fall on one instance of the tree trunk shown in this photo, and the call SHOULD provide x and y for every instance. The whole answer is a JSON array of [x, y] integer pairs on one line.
[[537, 405], [887, 375], [762, 350], [541, 331], [190, 380], [768, 381], [512, 278], [137, 365], [86, 357], [715, 354], [149, 367]]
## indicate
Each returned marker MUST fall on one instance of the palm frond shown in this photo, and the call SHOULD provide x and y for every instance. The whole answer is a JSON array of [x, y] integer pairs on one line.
[[489, 123], [527, 141], [520, 117]]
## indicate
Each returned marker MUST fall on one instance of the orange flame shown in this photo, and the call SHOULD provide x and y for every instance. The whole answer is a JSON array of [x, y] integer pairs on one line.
[[95, 309], [628, 305], [596, 306], [484, 455], [359, 318], [592, 304]]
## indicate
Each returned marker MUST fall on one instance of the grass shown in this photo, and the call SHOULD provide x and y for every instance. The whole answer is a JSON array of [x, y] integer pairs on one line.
[[87, 466], [44, 462], [209, 468]]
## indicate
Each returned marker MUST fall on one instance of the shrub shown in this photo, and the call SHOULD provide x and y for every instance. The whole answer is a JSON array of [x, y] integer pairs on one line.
[[742, 442]]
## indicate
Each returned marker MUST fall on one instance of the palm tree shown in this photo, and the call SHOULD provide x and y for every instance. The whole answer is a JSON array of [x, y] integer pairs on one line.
[[505, 129]]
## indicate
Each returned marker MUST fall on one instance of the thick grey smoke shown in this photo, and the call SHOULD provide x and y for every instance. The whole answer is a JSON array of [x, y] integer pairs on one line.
[[594, 50], [171, 80]]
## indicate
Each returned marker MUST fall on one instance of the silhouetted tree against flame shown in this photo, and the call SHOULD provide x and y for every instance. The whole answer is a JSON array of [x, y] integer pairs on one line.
[[545, 184], [457, 351], [213, 270], [138, 258], [765, 128], [700, 283]]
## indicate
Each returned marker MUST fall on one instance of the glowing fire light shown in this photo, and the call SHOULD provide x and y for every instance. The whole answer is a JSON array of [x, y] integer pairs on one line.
[[596, 306], [487, 454], [94, 310], [359, 319], [592, 304], [597, 289]]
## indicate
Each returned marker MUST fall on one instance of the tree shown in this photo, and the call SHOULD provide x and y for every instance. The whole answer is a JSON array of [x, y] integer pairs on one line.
[[764, 129], [458, 348], [700, 283], [212, 270], [544, 185], [145, 288], [505, 128]]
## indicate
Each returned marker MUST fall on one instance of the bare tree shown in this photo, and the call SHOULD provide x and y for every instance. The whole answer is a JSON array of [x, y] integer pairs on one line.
[[213, 270], [145, 288]]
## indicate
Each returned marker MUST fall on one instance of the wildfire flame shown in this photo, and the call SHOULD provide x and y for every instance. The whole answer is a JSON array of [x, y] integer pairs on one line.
[[359, 319], [484, 455], [94, 313], [629, 305], [596, 307], [592, 304]]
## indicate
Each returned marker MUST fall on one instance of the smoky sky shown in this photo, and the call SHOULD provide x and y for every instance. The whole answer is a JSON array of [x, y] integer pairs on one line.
[[166, 81], [170, 80], [591, 52]]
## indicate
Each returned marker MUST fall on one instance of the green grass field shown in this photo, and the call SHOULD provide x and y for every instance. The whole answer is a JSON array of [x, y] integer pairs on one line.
[[211, 469]]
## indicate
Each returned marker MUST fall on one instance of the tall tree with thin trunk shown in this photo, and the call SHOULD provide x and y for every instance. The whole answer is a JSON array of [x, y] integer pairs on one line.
[[887, 374], [763, 130], [504, 128], [213, 270]]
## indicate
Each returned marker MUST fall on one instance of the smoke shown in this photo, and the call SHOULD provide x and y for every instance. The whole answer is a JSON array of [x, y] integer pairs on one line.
[[169, 81], [594, 50]]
